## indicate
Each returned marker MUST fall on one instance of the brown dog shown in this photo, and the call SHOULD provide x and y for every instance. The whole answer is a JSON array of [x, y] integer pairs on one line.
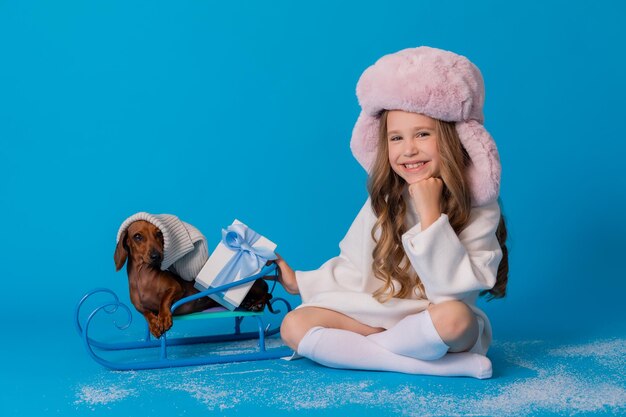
[[153, 291]]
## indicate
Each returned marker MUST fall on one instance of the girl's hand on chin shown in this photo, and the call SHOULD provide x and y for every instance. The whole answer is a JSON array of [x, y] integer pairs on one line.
[[426, 195]]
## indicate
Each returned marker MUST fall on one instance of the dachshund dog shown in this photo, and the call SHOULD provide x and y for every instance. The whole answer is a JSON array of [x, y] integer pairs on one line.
[[153, 291]]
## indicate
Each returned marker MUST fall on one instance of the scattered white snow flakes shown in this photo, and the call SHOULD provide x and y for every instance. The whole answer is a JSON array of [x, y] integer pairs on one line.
[[609, 353], [569, 380], [560, 392], [101, 395]]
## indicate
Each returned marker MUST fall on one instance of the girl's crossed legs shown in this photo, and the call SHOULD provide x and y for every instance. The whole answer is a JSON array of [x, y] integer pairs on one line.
[[336, 340], [455, 322]]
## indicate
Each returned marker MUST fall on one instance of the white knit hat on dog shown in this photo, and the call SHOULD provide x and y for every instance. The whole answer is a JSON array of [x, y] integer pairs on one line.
[[184, 248]]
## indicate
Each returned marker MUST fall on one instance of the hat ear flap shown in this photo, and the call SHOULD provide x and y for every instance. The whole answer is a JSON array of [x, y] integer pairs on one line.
[[485, 169], [364, 142]]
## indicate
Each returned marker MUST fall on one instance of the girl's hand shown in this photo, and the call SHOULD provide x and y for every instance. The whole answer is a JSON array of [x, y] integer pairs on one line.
[[426, 195], [286, 276]]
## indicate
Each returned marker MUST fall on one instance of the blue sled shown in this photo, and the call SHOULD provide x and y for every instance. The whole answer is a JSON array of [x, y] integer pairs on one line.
[[163, 361]]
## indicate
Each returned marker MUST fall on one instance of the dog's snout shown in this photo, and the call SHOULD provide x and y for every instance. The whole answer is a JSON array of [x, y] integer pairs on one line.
[[155, 256]]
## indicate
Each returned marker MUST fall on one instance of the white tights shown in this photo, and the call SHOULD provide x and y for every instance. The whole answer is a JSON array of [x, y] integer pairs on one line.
[[338, 348]]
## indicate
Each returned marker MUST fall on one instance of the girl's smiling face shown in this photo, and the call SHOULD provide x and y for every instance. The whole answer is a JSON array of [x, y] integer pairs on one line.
[[412, 143]]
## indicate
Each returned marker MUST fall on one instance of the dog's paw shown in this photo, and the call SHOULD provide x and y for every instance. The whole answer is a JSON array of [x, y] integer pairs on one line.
[[166, 322], [156, 329], [155, 325]]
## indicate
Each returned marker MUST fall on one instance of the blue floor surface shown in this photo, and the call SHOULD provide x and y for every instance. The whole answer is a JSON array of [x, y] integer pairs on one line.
[[51, 374]]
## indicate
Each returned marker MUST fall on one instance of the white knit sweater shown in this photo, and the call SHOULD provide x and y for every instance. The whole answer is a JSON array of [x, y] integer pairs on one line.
[[451, 267]]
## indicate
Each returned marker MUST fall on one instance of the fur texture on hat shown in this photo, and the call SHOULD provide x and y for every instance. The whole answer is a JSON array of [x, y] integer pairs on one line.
[[438, 84], [184, 248]]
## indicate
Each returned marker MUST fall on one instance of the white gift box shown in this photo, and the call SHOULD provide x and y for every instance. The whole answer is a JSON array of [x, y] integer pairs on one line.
[[233, 297]]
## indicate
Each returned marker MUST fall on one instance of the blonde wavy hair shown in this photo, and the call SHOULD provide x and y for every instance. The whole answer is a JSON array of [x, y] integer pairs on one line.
[[385, 188]]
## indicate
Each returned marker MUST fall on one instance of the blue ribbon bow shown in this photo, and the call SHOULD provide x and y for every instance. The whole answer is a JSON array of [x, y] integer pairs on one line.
[[247, 259]]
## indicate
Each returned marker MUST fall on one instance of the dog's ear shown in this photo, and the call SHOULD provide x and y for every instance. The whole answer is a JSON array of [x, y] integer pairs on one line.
[[121, 252]]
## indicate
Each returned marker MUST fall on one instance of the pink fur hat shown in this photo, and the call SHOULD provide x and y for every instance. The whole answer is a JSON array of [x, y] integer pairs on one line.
[[438, 84]]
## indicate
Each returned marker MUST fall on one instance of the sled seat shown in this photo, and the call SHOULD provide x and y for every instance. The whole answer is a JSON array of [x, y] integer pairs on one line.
[[220, 314]]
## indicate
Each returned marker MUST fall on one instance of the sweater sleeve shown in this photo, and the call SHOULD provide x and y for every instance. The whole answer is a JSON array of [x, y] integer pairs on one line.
[[451, 266], [345, 272]]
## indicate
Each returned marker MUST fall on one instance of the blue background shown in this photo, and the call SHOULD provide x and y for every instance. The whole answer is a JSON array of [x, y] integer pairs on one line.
[[215, 111]]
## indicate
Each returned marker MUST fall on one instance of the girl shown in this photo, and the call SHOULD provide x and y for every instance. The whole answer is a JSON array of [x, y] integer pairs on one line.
[[430, 238]]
